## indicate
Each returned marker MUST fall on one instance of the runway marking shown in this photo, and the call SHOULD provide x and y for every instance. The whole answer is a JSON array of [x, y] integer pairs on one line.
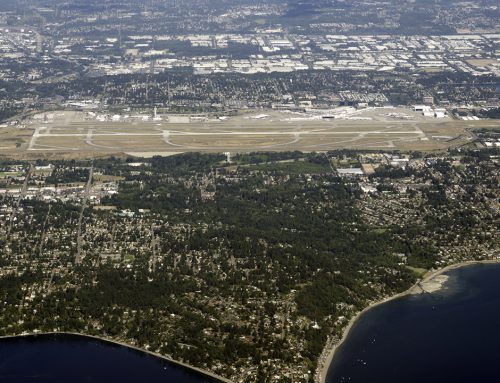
[[40, 147], [264, 133], [34, 137], [88, 141], [214, 139], [334, 142], [48, 147], [166, 138]]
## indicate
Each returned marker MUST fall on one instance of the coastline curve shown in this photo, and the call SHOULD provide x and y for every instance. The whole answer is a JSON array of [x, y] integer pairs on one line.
[[324, 365], [174, 362]]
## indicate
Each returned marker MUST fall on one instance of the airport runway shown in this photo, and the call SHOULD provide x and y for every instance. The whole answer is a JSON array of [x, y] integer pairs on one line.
[[69, 134], [218, 137]]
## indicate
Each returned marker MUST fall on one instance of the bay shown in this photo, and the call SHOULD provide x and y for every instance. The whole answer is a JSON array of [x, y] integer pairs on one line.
[[451, 335], [72, 358]]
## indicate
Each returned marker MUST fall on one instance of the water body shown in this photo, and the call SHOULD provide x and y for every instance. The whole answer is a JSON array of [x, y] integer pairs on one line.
[[452, 335], [71, 358]]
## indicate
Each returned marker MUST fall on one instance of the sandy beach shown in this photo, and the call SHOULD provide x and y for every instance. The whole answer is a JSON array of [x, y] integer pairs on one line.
[[430, 282]]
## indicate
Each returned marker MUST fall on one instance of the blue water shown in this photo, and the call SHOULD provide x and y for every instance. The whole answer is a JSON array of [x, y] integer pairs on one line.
[[75, 359], [449, 336]]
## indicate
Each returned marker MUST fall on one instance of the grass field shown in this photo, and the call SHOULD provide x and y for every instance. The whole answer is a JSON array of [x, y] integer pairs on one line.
[[417, 270]]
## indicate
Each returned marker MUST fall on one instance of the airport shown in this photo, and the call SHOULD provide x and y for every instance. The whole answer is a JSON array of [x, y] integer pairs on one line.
[[79, 133]]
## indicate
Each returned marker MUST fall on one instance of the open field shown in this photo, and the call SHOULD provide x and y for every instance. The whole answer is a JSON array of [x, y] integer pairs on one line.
[[75, 134]]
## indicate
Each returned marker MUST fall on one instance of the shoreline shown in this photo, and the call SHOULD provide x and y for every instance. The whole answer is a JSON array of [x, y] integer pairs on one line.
[[174, 362], [323, 367], [414, 289]]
